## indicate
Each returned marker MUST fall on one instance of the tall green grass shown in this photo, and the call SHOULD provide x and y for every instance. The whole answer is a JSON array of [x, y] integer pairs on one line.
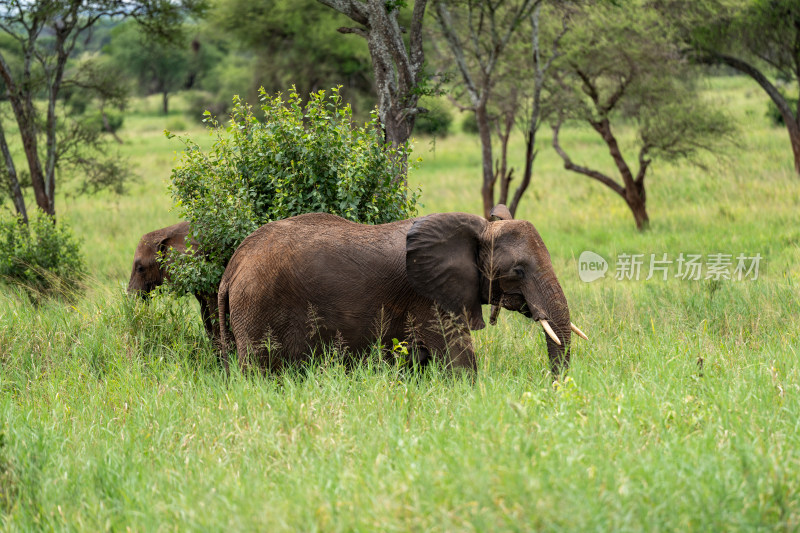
[[681, 413]]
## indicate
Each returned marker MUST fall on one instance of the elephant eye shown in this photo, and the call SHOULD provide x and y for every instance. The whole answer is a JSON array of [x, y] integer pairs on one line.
[[519, 272]]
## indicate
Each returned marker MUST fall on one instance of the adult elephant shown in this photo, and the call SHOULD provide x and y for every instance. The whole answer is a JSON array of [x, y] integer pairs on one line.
[[149, 272], [298, 284]]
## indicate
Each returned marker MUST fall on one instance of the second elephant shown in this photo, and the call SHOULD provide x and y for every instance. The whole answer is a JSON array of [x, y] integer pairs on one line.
[[148, 271]]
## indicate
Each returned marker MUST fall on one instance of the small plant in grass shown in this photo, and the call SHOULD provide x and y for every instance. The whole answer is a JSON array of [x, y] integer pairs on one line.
[[301, 158], [43, 257], [400, 351]]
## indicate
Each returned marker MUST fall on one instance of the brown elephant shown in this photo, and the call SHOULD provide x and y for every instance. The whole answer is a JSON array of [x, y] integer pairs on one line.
[[148, 273], [298, 284]]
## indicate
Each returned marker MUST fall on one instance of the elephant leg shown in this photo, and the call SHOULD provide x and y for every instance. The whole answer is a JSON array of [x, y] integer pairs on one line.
[[454, 353], [450, 342], [269, 343], [209, 312], [263, 351], [460, 353]]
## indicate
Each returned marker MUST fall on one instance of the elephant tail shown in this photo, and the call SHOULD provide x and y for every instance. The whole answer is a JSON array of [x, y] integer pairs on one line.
[[225, 333]]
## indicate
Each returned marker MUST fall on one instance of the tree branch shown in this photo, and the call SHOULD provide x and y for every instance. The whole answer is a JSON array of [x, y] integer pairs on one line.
[[588, 85], [569, 165], [446, 22], [643, 163], [759, 77], [357, 31], [415, 34], [352, 9]]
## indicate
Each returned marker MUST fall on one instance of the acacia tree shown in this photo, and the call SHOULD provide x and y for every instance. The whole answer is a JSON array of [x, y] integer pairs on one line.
[[620, 64], [478, 34], [524, 100], [45, 35], [159, 67], [759, 38], [400, 78], [296, 44]]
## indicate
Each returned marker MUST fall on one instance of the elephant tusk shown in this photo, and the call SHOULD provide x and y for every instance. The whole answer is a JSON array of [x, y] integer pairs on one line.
[[577, 330], [550, 332]]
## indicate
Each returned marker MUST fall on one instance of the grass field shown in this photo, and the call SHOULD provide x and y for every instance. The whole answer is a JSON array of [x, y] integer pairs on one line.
[[681, 413]]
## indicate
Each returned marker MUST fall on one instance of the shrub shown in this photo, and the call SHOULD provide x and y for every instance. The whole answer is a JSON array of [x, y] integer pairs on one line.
[[774, 114], [435, 122], [201, 101], [470, 124], [115, 120], [301, 158], [43, 257]]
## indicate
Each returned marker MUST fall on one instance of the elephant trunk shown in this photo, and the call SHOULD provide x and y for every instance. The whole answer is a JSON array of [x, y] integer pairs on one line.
[[547, 302], [135, 286]]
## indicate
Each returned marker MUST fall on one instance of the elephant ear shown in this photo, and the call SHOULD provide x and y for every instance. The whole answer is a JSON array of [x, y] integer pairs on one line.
[[167, 246], [174, 240], [442, 262], [500, 212]]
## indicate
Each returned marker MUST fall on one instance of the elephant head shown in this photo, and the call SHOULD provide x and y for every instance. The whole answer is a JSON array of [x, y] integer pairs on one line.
[[462, 261], [148, 272]]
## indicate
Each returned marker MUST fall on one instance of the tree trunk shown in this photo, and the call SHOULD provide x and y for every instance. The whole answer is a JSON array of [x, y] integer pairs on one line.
[[485, 132], [164, 102], [639, 210], [794, 138], [13, 182], [530, 155], [27, 131], [504, 174], [791, 119], [398, 68]]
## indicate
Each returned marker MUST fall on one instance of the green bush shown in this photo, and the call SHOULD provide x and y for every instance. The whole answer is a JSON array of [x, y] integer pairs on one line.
[[201, 101], [435, 122], [470, 124], [774, 114], [42, 257], [115, 120], [302, 158]]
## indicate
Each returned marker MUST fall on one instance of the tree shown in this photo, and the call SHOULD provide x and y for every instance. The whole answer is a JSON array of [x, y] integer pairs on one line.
[[759, 38], [295, 43], [44, 36], [158, 67], [399, 75], [620, 64], [488, 44], [477, 34]]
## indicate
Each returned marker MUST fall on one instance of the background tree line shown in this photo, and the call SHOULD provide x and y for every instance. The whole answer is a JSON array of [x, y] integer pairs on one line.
[[67, 69]]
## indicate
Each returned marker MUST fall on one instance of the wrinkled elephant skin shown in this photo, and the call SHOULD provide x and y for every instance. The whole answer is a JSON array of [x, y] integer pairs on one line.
[[296, 285]]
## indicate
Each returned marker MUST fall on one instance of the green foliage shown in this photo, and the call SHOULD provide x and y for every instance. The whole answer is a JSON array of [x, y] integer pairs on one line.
[[301, 158], [115, 120], [436, 121], [774, 114], [297, 43], [761, 32], [614, 70], [231, 76], [158, 66], [43, 257], [470, 124]]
